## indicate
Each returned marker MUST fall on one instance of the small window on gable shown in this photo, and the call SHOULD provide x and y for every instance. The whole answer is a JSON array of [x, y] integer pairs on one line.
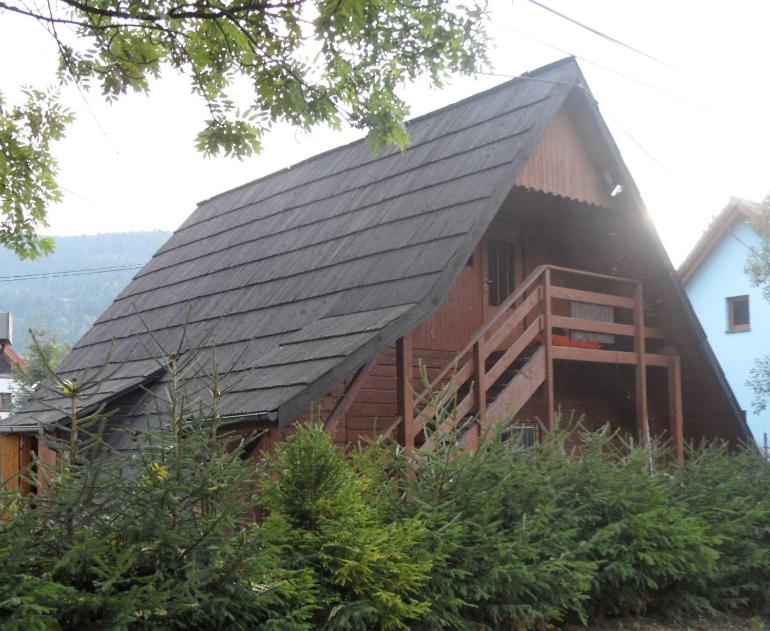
[[738, 314]]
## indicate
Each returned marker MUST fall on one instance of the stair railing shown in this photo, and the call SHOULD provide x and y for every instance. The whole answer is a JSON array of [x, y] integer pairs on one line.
[[461, 387]]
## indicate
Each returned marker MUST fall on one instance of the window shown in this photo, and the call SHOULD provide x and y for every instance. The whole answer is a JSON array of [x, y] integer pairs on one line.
[[501, 267], [522, 435], [5, 402], [738, 314]]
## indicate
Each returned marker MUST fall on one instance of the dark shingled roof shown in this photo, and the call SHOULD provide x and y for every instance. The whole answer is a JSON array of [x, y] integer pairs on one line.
[[298, 278]]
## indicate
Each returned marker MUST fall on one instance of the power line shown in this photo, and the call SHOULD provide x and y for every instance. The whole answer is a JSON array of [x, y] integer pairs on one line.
[[601, 34], [638, 143], [577, 85], [601, 65], [76, 272]]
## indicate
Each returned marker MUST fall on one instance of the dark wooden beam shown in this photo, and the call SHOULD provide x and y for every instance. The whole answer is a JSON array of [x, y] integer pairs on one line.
[[675, 414], [405, 395], [550, 403], [592, 297], [518, 392], [480, 382], [642, 416], [598, 356], [514, 350], [343, 403], [599, 326]]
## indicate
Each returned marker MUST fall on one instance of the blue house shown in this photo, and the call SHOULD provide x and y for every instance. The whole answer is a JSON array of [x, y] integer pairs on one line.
[[734, 315]]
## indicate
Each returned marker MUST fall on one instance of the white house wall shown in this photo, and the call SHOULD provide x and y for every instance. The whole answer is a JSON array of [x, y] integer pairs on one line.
[[721, 276]]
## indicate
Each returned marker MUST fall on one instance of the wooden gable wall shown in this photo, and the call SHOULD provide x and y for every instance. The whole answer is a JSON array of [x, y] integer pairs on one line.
[[561, 165], [561, 205]]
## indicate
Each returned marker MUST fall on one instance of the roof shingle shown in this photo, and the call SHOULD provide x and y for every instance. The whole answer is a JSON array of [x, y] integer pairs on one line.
[[295, 280]]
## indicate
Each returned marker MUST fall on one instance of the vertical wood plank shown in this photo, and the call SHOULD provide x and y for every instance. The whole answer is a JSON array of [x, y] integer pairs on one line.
[[25, 461], [48, 464], [480, 383], [337, 415], [642, 417], [675, 414], [10, 460], [404, 356], [550, 404]]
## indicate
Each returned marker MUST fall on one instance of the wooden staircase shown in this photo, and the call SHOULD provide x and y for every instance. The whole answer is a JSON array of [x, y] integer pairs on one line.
[[512, 355]]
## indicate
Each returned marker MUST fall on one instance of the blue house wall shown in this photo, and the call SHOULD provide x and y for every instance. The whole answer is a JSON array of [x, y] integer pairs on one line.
[[719, 277]]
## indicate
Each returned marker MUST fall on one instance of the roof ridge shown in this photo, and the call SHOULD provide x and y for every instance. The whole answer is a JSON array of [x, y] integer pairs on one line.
[[735, 207]]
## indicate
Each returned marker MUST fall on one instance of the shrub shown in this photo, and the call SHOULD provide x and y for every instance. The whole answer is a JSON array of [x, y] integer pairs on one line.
[[646, 547], [158, 535], [501, 555], [161, 534], [366, 569], [730, 493]]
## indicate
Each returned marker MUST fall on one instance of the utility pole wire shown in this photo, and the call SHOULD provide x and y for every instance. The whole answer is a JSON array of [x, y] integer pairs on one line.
[[619, 73], [76, 272], [602, 35]]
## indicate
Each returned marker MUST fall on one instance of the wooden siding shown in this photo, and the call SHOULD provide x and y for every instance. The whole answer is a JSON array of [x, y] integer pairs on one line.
[[563, 232], [561, 165], [10, 459], [450, 326]]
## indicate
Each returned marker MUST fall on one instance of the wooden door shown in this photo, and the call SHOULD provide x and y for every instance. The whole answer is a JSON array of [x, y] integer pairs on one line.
[[502, 273]]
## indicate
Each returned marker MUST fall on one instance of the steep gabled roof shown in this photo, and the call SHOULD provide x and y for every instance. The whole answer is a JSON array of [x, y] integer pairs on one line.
[[297, 279], [736, 210]]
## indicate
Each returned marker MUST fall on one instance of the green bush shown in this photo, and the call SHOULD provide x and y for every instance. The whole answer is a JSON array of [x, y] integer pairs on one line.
[[161, 539], [501, 554], [646, 547], [366, 569], [162, 535], [730, 494]]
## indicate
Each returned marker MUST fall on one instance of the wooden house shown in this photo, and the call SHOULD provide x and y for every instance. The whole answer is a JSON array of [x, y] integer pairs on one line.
[[507, 251]]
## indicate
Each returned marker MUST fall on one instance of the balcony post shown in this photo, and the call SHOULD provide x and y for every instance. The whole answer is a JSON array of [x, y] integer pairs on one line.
[[480, 383], [642, 417], [550, 405], [675, 415], [404, 390]]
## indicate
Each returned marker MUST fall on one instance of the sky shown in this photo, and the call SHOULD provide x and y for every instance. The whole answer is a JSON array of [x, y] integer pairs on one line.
[[693, 127]]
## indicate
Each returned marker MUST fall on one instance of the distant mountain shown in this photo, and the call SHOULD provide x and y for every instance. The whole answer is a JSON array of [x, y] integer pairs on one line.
[[68, 304]]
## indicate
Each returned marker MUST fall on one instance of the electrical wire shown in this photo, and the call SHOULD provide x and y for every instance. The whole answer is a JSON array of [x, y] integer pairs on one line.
[[76, 272], [601, 34], [600, 65]]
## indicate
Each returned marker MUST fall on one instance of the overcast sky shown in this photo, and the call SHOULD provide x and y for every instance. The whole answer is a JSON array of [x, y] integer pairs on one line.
[[693, 132]]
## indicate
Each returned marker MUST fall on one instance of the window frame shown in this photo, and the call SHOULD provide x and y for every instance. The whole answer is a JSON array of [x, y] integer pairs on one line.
[[731, 301], [516, 432], [501, 271]]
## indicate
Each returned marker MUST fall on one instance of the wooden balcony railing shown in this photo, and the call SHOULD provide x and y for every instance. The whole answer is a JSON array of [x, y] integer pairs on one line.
[[512, 354]]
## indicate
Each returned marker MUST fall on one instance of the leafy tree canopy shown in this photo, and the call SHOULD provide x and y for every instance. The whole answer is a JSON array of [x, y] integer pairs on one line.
[[758, 265], [307, 62]]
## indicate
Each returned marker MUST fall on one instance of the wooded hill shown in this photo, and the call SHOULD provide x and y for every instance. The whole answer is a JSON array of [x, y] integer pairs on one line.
[[71, 287]]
